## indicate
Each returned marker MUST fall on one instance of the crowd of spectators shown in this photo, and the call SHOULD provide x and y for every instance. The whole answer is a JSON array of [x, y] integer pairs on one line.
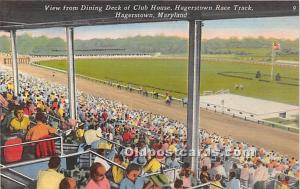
[[224, 161]]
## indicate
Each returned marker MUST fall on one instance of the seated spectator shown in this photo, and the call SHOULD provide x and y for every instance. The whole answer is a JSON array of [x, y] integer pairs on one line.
[[80, 132], [204, 176], [127, 136], [50, 178], [153, 165], [216, 183], [283, 182], [19, 122], [40, 130], [97, 179], [186, 175], [178, 184], [117, 172], [132, 181], [171, 162], [68, 183], [28, 109]]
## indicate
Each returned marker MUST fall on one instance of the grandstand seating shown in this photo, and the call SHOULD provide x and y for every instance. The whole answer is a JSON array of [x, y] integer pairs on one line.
[[121, 128]]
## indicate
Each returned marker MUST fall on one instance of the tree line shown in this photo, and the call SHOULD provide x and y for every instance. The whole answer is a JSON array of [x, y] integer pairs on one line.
[[165, 45]]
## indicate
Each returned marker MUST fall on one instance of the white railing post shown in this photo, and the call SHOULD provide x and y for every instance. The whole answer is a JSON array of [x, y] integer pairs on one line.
[[61, 146]]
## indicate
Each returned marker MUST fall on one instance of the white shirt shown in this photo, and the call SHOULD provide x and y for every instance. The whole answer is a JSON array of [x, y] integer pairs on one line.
[[261, 174], [91, 136]]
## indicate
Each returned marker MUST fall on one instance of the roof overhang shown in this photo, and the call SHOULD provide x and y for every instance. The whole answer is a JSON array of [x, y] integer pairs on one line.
[[16, 15]]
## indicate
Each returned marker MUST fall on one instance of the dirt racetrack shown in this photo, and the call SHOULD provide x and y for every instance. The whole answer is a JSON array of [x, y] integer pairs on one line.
[[270, 138]]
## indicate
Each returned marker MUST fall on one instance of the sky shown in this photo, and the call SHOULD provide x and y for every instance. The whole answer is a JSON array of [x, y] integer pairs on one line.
[[277, 27]]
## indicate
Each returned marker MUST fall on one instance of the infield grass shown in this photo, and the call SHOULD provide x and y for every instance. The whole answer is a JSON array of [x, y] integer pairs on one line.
[[170, 74]]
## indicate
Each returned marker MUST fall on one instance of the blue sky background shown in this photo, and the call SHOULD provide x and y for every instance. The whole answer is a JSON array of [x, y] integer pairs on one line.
[[277, 27]]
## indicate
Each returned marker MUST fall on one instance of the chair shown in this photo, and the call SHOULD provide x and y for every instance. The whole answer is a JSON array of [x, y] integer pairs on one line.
[[45, 148]]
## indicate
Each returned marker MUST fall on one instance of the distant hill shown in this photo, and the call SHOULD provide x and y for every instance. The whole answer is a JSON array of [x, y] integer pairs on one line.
[[149, 45]]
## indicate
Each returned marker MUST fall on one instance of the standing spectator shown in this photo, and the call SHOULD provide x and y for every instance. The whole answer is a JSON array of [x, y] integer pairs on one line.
[[204, 176], [227, 166], [50, 178], [187, 175], [245, 175], [97, 179], [206, 161], [168, 99], [251, 176], [233, 183], [261, 173], [220, 169], [236, 170]]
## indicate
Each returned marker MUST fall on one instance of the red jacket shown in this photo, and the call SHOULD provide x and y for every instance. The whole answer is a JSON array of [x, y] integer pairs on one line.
[[45, 148], [127, 137]]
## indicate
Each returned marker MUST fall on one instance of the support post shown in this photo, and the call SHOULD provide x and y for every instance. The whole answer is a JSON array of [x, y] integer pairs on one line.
[[272, 67], [71, 73], [14, 62], [193, 107]]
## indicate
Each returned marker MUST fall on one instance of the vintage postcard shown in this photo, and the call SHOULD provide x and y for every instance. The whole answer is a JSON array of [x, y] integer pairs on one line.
[[149, 94]]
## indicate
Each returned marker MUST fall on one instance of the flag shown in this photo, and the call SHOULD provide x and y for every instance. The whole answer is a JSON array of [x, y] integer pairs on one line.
[[276, 46]]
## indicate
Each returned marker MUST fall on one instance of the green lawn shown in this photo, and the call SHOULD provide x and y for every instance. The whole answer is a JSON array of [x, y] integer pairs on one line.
[[171, 75], [258, 54], [284, 121]]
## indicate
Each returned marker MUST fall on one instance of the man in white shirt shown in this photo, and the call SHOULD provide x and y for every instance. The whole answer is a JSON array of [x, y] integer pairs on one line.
[[261, 173]]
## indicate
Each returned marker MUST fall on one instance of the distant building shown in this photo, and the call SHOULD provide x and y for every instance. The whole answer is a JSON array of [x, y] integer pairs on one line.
[[5, 58]]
